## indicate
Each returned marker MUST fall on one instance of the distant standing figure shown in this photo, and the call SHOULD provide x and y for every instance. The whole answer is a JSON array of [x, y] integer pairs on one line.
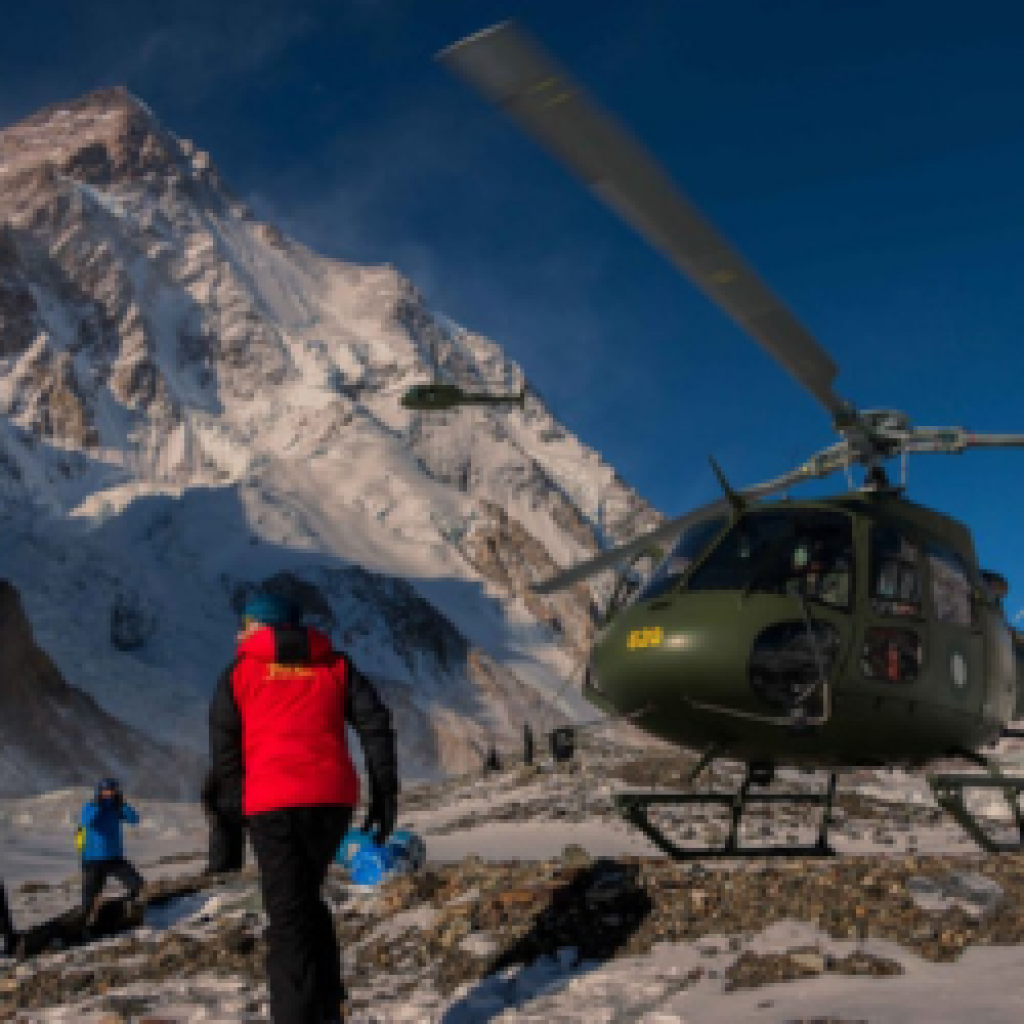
[[278, 747], [7, 932], [527, 744], [227, 830], [493, 762], [103, 853]]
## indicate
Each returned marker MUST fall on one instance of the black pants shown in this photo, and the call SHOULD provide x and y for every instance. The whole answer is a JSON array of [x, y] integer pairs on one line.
[[6, 924], [227, 844], [96, 872], [294, 847]]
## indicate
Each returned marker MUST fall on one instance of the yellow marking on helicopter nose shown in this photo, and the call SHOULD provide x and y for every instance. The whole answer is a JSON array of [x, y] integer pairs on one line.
[[650, 636]]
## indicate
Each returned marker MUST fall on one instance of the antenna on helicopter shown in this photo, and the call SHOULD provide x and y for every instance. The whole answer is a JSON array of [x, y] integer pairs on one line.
[[736, 501]]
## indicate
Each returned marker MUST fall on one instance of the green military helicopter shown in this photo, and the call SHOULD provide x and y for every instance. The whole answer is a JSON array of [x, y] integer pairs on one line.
[[438, 396], [849, 631]]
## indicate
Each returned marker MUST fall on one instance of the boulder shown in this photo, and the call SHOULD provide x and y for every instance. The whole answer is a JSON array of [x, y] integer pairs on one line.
[[131, 622]]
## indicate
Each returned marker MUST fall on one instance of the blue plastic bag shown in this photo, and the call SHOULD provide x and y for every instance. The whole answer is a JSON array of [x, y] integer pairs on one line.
[[371, 865], [355, 840], [409, 850]]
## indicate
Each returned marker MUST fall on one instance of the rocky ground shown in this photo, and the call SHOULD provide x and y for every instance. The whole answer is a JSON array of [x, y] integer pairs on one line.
[[441, 941]]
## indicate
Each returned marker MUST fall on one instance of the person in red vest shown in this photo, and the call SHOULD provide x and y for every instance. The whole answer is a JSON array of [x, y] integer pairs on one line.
[[278, 748]]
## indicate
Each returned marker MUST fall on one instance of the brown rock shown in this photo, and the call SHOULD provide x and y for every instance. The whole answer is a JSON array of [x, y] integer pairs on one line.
[[527, 896]]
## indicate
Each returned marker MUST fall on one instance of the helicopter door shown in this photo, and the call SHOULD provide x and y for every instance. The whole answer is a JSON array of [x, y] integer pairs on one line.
[[957, 640], [892, 651]]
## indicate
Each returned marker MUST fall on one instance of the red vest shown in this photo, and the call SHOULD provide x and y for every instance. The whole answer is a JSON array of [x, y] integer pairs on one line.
[[293, 726]]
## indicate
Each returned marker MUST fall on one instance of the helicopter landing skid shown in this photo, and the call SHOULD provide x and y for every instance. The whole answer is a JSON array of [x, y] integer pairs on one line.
[[633, 807], [949, 793]]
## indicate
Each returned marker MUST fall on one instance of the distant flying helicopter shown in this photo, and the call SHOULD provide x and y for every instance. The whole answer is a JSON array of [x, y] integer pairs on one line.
[[848, 631], [438, 396]]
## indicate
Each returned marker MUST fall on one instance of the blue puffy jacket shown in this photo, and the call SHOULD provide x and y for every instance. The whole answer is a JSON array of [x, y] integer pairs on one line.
[[102, 820]]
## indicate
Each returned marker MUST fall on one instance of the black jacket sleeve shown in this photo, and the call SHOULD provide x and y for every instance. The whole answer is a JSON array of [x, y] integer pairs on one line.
[[370, 718], [226, 746]]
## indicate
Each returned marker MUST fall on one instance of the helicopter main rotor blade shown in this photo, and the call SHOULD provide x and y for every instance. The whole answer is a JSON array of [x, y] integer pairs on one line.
[[827, 462], [994, 441], [513, 71], [610, 559], [956, 439]]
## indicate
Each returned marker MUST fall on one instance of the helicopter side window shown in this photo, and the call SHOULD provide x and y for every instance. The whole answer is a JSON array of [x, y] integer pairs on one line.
[[895, 574], [804, 552], [951, 586], [690, 546], [891, 654]]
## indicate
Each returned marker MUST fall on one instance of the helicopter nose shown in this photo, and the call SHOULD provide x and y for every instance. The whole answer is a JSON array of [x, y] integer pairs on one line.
[[709, 648], [648, 674], [648, 667]]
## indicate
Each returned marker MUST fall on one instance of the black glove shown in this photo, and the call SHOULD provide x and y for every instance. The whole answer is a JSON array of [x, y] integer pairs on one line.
[[382, 815]]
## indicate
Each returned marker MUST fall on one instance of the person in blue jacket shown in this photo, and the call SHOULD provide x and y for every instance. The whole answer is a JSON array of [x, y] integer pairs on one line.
[[103, 853]]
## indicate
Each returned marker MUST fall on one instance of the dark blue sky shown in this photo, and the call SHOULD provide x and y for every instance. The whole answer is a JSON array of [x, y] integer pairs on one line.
[[867, 157]]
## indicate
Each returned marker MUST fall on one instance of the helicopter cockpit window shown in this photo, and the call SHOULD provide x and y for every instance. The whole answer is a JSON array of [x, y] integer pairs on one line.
[[951, 586], [688, 549], [895, 574], [806, 552], [630, 585]]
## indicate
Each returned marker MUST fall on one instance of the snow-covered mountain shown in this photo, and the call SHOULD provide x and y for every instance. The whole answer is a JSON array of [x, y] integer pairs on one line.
[[191, 404]]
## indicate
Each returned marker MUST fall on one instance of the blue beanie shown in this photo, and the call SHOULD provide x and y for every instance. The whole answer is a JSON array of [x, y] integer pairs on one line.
[[272, 610]]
